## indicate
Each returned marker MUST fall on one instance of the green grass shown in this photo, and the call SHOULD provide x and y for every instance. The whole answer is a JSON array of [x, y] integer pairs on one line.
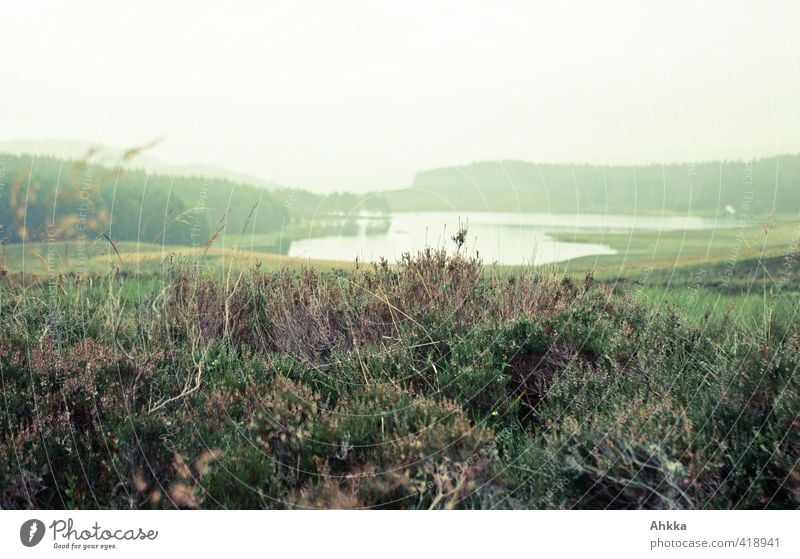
[[434, 383], [641, 252], [229, 376], [99, 258]]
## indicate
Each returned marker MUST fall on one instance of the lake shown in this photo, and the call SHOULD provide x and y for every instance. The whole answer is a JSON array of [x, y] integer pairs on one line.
[[503, 238]]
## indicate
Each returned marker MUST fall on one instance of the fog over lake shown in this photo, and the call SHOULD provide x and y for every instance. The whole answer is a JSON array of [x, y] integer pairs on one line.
[[503, 238]]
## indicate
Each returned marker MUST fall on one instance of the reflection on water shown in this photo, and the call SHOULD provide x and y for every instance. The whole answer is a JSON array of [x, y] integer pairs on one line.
[[504, 238]]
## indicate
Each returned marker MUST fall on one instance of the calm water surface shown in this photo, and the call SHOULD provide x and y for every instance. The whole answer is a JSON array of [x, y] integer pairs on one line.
[[504, 238]]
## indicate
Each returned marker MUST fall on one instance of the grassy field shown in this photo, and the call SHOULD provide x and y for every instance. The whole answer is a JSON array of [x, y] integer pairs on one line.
[[745, 274], [642, 251], [433, 383], [638, 254], [99, 257]]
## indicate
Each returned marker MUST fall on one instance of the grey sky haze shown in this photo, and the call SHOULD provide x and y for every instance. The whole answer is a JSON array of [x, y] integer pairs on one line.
[[354, 95]]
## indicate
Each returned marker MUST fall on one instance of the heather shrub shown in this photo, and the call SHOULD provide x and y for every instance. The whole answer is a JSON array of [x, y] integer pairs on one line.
[[433, 383], [665, 437], [386, 447]]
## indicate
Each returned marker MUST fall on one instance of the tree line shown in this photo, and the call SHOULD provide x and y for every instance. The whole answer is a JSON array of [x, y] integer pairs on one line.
[[46, 198], [709, 188]]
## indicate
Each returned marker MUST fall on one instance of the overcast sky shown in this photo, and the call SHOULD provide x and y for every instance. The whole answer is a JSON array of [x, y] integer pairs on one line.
[[361, 95]]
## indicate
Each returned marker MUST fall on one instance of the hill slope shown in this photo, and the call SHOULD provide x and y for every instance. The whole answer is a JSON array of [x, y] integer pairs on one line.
[[702, 188]]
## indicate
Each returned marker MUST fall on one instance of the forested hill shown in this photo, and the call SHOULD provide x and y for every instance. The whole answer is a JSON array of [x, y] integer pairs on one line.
[[703, 188], [48, 198]]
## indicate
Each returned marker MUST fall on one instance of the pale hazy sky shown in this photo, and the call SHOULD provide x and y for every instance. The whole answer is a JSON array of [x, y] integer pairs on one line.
[[360, 95]]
